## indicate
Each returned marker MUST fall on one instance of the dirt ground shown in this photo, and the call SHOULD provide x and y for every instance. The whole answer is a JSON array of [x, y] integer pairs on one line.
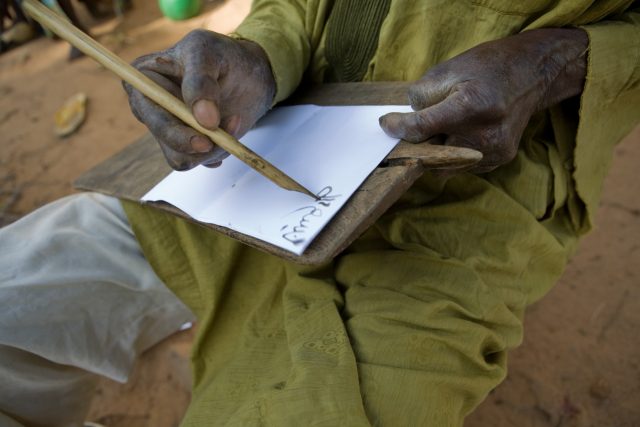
[[579, 364]]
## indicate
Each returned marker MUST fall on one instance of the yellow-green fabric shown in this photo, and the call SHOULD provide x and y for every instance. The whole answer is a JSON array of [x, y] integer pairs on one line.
[[411, 325]]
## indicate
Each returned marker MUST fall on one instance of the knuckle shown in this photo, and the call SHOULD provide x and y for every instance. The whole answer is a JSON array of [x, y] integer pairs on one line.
[[429, 90], [467, 102], [499, 107], [510, 152], [199, 33], [196, 81], [178, 139], [416, 93], [409, 127], [506, 146], [492, 135], [501, 155], [493, 107], [196, 37], [437, 72], [487, 103], [420, 122], [415, 127]]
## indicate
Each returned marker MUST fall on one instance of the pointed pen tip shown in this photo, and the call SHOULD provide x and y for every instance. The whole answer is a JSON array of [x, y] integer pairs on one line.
[[310, 194], [300, 189], [293, 185]]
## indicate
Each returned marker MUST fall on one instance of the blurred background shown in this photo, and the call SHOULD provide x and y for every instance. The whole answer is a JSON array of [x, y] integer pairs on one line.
[[580, 361]]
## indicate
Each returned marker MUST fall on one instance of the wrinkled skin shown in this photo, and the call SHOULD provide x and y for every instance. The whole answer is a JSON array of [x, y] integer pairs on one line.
[[227, 83], [484, 97], [481, 99]]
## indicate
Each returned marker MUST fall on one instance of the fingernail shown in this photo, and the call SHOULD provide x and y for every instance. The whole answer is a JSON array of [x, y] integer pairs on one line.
[[219, 156], [213, 165], [387, 125], [163, 60], [200, 144], [206, 113], [233, 125]]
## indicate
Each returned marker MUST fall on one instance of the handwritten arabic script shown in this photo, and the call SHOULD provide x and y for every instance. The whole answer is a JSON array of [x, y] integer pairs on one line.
[[301, 219], [333, 147]]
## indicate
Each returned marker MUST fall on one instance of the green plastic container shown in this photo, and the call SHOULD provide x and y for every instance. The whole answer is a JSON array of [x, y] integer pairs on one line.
[[179, 9]]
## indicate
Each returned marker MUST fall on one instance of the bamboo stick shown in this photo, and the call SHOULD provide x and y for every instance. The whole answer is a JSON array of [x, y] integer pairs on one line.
[[156, 93]]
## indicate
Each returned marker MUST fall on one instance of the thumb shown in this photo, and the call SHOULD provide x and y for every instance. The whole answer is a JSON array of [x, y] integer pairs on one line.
[[423, 124], [206, 113], [200, 91]]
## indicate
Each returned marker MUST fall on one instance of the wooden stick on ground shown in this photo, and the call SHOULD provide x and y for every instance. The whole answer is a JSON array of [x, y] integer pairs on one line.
[[156, 93]]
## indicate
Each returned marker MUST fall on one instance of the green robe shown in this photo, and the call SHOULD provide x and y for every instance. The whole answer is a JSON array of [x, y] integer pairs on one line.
[[410, 325]]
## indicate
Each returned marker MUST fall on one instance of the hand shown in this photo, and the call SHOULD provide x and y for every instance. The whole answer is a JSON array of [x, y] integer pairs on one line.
[[484, 98], [227, 83]]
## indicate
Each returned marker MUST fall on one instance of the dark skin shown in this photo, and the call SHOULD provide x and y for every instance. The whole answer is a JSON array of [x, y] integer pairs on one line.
[[481, 99], [484, 98], [225, 82]]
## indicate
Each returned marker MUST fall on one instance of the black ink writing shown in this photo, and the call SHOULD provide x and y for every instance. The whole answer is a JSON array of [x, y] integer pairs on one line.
[[297, 231]]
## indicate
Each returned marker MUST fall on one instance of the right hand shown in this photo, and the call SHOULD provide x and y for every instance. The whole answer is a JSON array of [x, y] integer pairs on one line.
[[226, 83]]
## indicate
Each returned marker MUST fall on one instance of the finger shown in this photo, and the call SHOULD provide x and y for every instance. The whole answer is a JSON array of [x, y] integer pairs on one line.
[[183, 147], [163, 125], [162, 69], [442, 118], [148, 112], [181, 161], [166, 128], [431, 89], [164, 62], [234, 125], [216, 161], [200, 90], [138, 102], [212, 165], [206, 113], [196, 74]]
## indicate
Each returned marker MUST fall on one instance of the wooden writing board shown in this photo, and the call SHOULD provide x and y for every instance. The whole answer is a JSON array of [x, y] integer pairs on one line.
[[139, 167]]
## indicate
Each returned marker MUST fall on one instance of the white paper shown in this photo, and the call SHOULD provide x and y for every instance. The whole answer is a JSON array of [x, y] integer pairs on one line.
[[329, 150]]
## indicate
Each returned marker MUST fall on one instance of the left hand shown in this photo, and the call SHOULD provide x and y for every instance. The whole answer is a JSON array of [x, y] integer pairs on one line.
[[484, 98]]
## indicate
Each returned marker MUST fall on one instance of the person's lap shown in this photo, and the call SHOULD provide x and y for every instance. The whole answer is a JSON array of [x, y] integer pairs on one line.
[[78, 299], [411, 324]]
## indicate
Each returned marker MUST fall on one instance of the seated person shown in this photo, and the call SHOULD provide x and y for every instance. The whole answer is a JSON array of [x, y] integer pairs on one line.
[[411, 325]]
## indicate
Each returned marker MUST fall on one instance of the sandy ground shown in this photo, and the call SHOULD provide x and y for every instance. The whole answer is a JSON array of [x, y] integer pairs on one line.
[[580, 361]]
